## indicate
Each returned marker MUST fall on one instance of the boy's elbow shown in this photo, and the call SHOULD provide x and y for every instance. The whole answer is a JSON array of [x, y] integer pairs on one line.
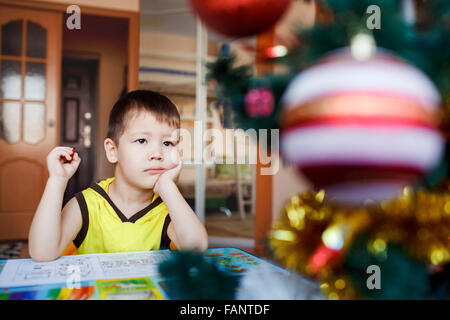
[[41, 255], [43, 258], [202, 244], [205, 244]]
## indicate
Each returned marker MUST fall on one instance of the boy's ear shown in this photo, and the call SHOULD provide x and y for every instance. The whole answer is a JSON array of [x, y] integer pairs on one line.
[[110, 150]]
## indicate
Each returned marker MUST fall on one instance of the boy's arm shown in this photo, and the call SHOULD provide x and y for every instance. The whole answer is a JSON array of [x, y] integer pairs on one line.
[[185, 229], [52, 230]]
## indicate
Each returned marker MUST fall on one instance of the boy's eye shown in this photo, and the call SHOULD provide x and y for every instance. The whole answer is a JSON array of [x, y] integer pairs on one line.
[[141, 141], [168, 143]]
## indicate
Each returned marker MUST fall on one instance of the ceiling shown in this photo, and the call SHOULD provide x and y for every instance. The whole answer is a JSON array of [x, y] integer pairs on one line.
[[175, 17]]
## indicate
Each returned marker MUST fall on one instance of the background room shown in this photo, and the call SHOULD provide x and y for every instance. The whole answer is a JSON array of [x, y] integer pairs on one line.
[[314, 140], [83, 71]]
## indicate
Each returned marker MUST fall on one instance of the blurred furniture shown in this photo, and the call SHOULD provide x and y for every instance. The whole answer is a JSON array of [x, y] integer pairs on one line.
[[227, 180]]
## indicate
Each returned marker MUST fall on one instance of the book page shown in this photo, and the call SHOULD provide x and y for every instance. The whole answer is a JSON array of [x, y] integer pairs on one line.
[[26, 272]]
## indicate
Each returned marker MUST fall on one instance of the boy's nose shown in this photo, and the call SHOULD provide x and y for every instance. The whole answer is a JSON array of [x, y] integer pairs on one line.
[[155, 154]]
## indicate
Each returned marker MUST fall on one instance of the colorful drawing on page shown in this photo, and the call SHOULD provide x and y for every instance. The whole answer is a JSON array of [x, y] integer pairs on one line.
[[85, 291], [232, 260], [2, 265], [128, 289]]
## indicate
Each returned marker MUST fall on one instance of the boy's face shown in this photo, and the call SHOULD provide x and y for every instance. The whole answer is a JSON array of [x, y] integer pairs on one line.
[[146, 149]]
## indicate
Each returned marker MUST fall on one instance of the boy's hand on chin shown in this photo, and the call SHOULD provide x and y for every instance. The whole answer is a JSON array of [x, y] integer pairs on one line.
[[168, 176]]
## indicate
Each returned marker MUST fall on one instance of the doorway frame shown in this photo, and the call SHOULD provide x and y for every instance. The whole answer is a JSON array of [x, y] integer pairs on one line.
[[133, 29], [133, 19], [91, 62]]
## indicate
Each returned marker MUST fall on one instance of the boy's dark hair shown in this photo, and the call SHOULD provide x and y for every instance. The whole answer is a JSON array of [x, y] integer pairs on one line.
[[159, 105]]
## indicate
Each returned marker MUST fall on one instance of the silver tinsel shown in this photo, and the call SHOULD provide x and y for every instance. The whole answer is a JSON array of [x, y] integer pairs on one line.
[[267, 282]]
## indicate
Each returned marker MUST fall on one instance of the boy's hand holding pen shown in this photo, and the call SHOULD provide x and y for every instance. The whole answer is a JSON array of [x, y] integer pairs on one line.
[[63, 162]]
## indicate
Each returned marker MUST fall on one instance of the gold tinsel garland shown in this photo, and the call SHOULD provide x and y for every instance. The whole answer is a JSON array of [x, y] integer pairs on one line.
[[309, 226]]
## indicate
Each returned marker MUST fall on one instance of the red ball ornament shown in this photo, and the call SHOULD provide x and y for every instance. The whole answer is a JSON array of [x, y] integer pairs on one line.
[[259, 102], [239, 18]]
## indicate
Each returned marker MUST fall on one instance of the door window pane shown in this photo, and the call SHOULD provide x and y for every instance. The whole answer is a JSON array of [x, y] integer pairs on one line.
[[33, 122], [11, 84], [35, 81], [71, 115], [36, 40], [12, 38], [10, 121]]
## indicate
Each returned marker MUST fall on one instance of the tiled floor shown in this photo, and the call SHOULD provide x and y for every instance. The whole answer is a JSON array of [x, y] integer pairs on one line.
[[12, 250]]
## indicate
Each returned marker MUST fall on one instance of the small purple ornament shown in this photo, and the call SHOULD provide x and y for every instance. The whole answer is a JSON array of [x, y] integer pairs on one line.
[[259, 102]]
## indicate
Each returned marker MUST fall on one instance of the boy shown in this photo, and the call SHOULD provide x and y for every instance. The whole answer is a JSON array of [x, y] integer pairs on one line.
[[140, 208]]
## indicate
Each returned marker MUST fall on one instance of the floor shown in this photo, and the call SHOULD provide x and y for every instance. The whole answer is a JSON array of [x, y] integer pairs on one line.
[[17, 249], [225, 231], [220, 225]]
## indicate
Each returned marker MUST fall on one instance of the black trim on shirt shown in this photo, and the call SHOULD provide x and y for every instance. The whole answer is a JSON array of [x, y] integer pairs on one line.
[[85, 220], [119, 213], [165, 240]]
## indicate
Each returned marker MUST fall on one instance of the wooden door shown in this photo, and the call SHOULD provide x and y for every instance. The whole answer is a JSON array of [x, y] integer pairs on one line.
[[78, 118], [30, 69]]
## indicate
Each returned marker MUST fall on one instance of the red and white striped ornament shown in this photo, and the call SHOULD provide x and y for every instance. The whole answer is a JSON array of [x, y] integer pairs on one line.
[[361, 129]]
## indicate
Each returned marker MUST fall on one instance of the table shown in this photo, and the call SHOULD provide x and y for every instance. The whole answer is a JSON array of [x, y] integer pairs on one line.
[[110, 276]]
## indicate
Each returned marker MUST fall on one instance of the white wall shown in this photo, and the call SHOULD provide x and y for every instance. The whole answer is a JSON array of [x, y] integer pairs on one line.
[[286, 183], [128, 5]]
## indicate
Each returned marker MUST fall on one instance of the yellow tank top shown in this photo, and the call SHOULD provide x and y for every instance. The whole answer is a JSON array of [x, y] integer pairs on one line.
[[106, 229]]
